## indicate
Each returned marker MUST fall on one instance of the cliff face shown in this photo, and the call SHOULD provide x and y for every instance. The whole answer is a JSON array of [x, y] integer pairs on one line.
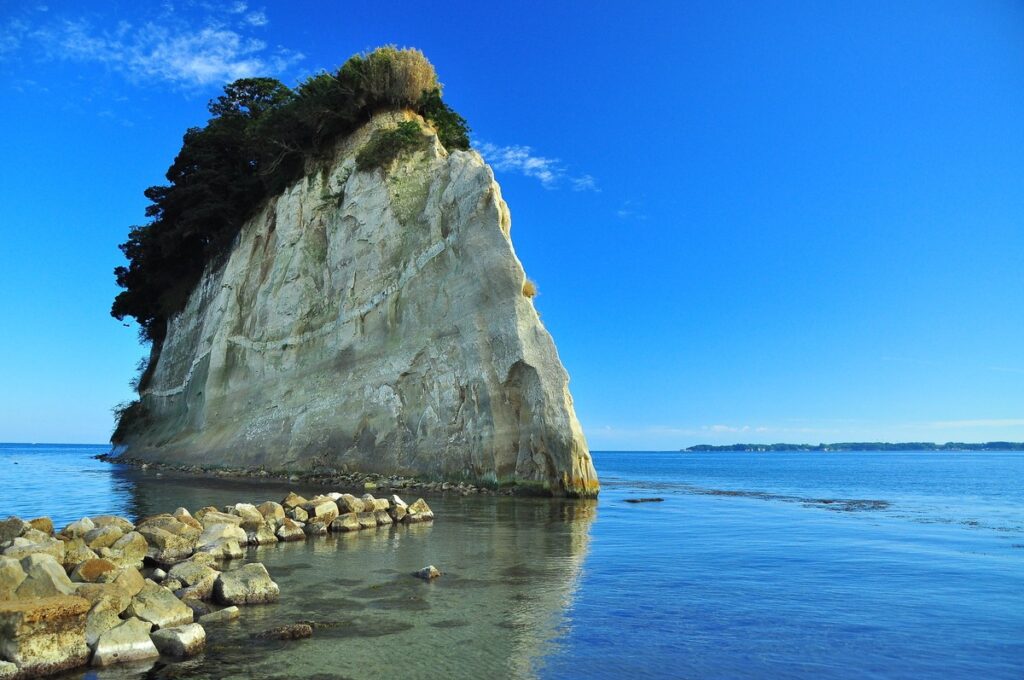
[[372, 321]]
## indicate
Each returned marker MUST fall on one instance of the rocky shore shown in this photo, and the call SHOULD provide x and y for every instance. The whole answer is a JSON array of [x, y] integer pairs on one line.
[[105, 591], [326, 477]]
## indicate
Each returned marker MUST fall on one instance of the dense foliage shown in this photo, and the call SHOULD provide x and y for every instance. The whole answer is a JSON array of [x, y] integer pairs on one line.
[[263, 135], [386, 145]]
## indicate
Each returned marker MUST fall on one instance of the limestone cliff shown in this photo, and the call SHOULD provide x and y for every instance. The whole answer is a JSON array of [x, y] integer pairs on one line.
[[372, 321]]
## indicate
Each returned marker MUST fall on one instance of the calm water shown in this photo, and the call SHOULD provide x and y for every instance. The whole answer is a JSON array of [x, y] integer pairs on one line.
[[795, 565]]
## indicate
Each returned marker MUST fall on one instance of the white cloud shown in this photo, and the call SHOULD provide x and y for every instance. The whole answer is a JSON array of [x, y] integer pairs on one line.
[[522, 159], [257, 18], [184, 53], [12, 35], [631, 210], [584, 183]]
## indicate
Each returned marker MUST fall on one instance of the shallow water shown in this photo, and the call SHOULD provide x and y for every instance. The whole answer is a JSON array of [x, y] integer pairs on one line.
[[754, 565]]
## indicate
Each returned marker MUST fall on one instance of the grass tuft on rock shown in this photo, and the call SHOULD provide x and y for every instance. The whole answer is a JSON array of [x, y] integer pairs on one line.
[[386, 145]]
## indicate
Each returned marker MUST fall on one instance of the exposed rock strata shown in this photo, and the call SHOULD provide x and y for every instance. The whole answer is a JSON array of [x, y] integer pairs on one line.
[[370, 321]]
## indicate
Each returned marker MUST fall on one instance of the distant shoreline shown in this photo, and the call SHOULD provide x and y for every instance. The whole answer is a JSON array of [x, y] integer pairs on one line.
[[859, 446]]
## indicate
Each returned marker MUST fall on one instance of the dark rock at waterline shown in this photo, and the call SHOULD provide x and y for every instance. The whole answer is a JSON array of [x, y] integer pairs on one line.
[[644, 500], [295, 631], [427, 573]]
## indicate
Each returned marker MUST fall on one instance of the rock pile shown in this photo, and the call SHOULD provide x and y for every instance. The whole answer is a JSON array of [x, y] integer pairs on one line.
[[106, 591]]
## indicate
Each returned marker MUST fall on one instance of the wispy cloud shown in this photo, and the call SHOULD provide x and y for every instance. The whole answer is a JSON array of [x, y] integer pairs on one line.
[[631, 210], [183, 52], [550, 172]]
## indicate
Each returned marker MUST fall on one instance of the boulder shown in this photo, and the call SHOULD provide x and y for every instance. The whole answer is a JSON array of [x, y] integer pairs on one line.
[[180, 641], [169, 539], [159, 606], [288, 530], [99, 621], [11, 528], [124, 643], [250, 584], [347, 522], [252, 519], [367, 520], [323, 510], [419, 512], [349, 503], [297, 514], [220, 616], [44, 577], [427, 573], [8, 670], [43, 524], [94, 571], [382, 517], [44, 635], [215, 517], [271, 510], [113, 521], [11, 576], [398, 509], [33, 543], [76, 552], [265, 534], [197, 577], [222, 540], [315, 527], [293, 500], [129, 550], [104, 596], [200, 608], [78, 529], [185, 517], [201, 512], [130, 580], [103, 537]]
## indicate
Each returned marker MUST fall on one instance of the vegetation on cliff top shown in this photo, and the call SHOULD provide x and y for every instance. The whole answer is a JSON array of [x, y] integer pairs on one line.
[[262, 137]]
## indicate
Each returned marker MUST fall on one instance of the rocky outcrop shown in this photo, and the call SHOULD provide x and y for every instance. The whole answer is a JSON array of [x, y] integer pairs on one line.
[[372, 321]]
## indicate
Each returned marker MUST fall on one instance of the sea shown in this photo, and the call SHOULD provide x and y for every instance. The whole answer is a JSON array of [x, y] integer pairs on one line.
[[750, 565]]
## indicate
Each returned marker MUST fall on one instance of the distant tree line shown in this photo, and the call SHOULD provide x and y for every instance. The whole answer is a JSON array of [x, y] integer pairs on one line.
[[262, 137], [863, 446]]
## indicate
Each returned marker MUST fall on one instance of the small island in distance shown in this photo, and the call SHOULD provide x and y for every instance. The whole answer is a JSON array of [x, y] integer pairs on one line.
[[861, 446]]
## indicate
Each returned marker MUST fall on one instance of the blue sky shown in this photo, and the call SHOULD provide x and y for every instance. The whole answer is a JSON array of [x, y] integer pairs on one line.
[[748, 221]]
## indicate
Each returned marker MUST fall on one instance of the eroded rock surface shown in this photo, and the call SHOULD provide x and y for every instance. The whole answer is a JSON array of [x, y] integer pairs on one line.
[[372, 321]]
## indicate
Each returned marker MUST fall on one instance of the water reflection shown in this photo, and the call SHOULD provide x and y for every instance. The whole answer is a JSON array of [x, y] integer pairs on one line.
[[511, 567]]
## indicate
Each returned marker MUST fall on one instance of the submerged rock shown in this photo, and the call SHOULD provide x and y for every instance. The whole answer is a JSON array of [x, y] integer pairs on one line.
[[295, 631], [386, 330]]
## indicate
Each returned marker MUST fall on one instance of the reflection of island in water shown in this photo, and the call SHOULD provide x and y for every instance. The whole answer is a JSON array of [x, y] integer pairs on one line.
[[511, 568]]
